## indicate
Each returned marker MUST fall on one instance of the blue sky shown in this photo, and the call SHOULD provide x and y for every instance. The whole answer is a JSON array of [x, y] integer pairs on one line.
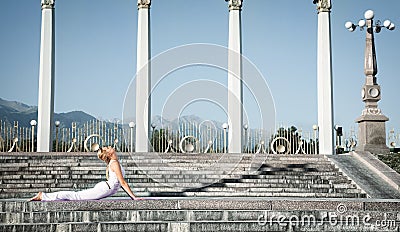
[[96, 52]]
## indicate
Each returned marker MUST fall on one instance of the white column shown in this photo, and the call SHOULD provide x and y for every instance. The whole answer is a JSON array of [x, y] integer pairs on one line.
[[46, 79], [235, 89], [143, 79], [324, 79]]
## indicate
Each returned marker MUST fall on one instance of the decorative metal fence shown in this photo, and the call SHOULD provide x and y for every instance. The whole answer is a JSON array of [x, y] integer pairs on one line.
[[185, 137], [16, 138], [82, 139]]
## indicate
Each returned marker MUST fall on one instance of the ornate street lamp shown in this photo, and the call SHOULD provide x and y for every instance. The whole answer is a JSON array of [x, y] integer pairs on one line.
[[371, 123]]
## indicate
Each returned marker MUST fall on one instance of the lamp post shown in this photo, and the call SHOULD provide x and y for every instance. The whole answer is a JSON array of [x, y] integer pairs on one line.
[[33, 124], [339, 134], [225, 127], [371, 123], [245, 127], [153, 126], [131, 126], [315, 129], [57, 123]]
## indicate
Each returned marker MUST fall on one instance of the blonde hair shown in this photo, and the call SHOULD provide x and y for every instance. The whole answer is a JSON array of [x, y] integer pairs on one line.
[[103, 155]]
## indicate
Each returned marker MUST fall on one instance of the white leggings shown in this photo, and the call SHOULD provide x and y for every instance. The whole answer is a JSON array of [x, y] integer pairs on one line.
[[99, 191]]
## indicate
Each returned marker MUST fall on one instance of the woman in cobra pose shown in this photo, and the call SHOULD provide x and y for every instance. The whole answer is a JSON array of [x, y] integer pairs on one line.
[[115, 180]]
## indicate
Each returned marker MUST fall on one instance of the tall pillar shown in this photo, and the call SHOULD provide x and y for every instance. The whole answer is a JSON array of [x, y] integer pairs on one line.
[[371, 123], [46, 79], [143, 78], [324, 79], [235, 89]]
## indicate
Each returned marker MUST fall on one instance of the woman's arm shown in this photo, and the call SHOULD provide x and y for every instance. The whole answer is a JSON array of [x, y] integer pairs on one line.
[[115, 167]]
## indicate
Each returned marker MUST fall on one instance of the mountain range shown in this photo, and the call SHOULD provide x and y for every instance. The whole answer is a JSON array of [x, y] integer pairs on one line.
[[11, 111], [14, 111]]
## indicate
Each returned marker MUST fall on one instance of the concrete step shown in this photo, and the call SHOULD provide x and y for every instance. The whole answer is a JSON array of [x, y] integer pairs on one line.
[[277, 181], [203, 214], [159, 204], [253, 226], [189, 177], [147, 216], [267, 194], [92, 160], [88, 227], [275, 185]]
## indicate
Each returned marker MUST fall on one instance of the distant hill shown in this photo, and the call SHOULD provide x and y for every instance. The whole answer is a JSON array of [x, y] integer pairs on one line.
[[11, 111], [14, 106]]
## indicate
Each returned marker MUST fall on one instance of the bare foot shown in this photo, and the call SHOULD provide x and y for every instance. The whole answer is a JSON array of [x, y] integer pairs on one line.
[[38, 197]]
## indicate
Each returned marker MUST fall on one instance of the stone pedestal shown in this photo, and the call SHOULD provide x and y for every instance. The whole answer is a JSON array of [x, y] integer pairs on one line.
[[372, 134], [46, 79]]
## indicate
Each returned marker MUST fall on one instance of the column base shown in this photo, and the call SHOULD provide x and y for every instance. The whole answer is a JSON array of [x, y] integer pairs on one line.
[[374, 149], [372, 134]]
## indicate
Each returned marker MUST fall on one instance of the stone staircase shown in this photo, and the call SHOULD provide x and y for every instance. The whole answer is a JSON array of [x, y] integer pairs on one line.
[[201, 214], [180, 175], [207, 192]]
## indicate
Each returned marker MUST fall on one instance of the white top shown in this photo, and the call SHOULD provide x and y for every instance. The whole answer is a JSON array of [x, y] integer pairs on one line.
[[112, 177]]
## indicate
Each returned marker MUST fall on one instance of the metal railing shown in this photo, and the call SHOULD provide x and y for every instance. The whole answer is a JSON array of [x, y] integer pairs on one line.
[[185, 137], [16, 138]]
